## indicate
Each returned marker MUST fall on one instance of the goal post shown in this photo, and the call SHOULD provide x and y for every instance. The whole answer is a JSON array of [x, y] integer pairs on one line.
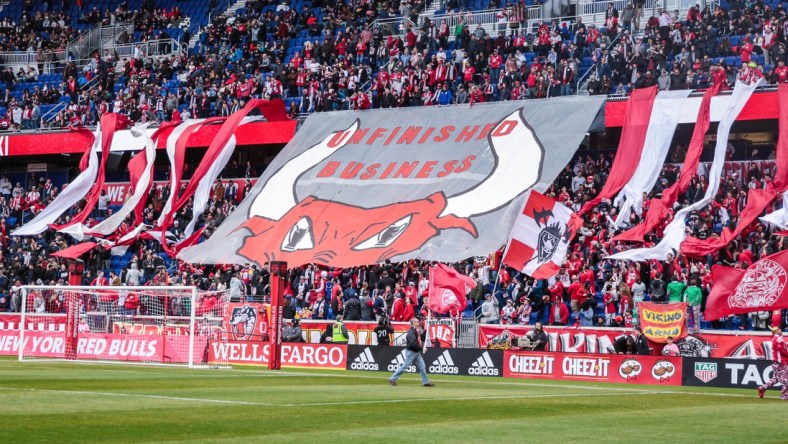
[[153, 325]]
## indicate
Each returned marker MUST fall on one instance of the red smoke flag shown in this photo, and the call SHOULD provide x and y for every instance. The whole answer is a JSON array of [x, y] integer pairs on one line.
[[448, 289], [540, 237], [759, 288]]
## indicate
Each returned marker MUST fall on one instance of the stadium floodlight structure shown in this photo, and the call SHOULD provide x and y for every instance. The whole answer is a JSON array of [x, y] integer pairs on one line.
[[153, 325]]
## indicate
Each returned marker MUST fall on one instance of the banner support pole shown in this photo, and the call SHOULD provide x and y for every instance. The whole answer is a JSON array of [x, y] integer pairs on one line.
[[427, 328], [278, 282]]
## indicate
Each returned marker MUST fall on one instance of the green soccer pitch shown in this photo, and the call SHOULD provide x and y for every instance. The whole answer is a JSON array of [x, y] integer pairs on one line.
[[63, 402]]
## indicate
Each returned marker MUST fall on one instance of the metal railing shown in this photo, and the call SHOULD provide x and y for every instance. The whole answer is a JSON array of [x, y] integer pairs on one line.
[[219, 10], [587, 7], [17, 60], [110, 34], [85, 43], [394, 26], [50, 115], [486, 17], [9, 58], [595, 10], [397, 26], [92, 83], [468, 333], [150, 48], [470, 18], [94, 38]]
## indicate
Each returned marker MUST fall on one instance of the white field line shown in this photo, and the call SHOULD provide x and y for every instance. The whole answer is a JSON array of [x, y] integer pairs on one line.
[[382, 375], [244, 373], [314, 404]]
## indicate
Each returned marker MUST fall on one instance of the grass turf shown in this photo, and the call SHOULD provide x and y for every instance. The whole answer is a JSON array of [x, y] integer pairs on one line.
[[64, 402]]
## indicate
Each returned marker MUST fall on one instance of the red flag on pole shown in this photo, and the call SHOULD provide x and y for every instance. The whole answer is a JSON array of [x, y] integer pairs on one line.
[[762, 286], [448, 289], [540, 237]]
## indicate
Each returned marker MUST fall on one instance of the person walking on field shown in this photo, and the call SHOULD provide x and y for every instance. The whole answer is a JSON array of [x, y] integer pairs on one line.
[[780, 364], [414, 347]]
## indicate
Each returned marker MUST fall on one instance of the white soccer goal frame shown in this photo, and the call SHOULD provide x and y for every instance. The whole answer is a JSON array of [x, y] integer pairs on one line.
[[191, 291]]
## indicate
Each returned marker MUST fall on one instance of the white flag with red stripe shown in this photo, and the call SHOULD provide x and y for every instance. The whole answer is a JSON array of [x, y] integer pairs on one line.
[[540, 237]]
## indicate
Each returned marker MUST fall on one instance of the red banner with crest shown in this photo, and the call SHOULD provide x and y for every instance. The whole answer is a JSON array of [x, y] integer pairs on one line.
[[247, 321]]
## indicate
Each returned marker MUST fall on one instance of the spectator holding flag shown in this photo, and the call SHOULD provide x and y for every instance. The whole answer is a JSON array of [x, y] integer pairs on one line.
[[415, 340]]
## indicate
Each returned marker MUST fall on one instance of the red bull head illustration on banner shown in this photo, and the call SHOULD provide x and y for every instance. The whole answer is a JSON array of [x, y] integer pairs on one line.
[[284, 228], [433, 184]]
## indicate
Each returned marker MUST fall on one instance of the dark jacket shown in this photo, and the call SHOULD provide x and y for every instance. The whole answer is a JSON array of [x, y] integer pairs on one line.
[[540, 339], [383, 333], [641, 346], [292, 333], [366, 309], [352, 309], [288, 310], [658, 290], [415, 339]]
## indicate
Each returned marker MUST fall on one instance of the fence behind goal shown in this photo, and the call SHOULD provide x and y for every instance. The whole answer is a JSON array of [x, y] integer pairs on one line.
[[144, 325]]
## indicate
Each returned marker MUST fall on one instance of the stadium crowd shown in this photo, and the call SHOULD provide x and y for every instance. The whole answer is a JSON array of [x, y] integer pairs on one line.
[[336, 59], [253, 54], [589, 290]]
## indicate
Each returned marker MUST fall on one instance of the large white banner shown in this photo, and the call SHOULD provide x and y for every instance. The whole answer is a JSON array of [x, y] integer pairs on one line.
[[356, 188]]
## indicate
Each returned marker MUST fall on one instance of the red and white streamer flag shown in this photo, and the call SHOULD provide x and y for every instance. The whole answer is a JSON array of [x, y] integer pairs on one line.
[[662, 125], [119, 247], [779, 218], [203, 192], [540, 237], [74, 192], [141, 177], [176, 153], [110, 123], [177, 141], [219, 151], [675, 232], [758, 200], [659, 208], [630, 147]]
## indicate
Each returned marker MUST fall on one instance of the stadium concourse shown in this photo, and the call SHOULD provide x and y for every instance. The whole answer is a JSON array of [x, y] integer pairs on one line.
[[321, 57]]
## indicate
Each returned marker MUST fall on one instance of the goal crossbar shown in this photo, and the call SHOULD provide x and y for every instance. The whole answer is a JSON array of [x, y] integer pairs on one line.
[[96, 318]]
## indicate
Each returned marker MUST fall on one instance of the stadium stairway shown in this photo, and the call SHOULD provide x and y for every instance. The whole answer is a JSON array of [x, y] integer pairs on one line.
[[224, 7]]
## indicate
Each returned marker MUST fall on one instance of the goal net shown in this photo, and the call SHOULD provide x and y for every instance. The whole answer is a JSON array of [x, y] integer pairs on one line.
[[143, 325]]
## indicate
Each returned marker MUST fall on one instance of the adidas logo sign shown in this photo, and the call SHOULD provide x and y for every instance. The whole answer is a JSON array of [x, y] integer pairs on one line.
[[483, 366], [364, 361], [444, 364], [399, 360]]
